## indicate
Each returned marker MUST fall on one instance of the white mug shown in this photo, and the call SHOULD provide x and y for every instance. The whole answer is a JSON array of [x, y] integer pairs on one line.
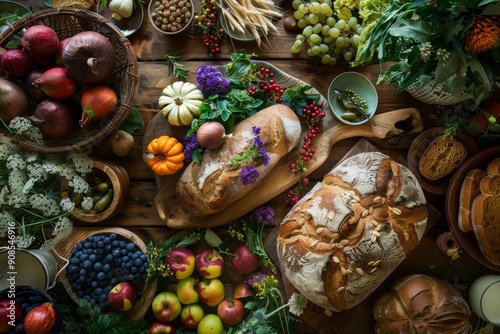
[[484, 298]]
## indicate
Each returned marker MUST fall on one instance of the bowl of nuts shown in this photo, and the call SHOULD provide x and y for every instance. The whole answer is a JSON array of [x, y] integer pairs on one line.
[[171, 17]]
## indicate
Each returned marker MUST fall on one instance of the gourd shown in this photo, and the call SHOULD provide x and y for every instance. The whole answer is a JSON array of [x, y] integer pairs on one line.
[[165, 155], [121, 8], [180, 103]]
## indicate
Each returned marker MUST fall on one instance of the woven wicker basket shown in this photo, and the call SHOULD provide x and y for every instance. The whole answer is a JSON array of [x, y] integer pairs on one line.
[[432, 93], [123, 80], [65, 247]]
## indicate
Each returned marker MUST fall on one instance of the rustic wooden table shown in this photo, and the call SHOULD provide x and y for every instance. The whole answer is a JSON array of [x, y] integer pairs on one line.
[[141, 216]]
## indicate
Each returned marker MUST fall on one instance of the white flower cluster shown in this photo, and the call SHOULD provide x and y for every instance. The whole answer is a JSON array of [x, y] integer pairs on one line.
[[30, 193]]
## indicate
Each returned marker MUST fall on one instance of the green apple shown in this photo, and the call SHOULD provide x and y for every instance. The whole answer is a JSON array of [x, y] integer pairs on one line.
[[210, 324], [166, 306], [191, 315], [211, 291], [186, 290]]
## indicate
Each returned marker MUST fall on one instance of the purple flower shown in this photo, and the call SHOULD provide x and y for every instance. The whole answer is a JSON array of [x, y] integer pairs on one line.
[[211, 81], [190, 145], [255, 130], [263, 214], [264, 156], [248, 174], [255, 277]]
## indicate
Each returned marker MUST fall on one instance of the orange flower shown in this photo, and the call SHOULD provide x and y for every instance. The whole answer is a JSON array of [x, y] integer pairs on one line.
[[483, 35]]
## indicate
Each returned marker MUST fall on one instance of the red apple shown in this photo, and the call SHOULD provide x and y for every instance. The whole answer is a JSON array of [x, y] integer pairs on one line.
[[11, 313], [231, 312], [158, 327], [181, 262], [211, 291], [209, 263], [243, 290], [186, 290], [191, 315], [166, 306], [244, 261], [41, 319], [122, 297]]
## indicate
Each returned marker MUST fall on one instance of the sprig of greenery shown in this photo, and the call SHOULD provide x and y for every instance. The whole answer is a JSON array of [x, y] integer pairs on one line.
[[176, 65]]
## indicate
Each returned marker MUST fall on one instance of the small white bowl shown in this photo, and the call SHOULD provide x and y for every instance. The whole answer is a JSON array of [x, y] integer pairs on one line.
[[151, 11], [362, 86]]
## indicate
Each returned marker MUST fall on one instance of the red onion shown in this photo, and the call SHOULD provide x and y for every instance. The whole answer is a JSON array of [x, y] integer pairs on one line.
[[210, 135], [13, 100], [16, 64], [56, 83], [56, 118], [40, 40], [30, 85], [89, 57], [60, 49]]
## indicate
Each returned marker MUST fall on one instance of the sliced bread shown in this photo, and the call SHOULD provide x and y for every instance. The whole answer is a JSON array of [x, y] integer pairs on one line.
[[494, 167], [485, 218], [441, 157], [469, 190]]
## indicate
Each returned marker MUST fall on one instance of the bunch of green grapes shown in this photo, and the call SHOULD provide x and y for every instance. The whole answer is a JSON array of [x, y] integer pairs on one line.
[[325, 36]]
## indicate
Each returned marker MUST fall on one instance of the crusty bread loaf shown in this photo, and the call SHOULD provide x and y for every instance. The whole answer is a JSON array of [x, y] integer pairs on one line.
[[441, 157], [82, 4], [469, 190], [213, 185], [493, 167], [485, 218], [349, 232], [421, 304]]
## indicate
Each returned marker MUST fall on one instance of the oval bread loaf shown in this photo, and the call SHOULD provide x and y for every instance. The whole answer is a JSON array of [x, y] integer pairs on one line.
[[345, 236], [421, 304], [441, 157], [213, 184]]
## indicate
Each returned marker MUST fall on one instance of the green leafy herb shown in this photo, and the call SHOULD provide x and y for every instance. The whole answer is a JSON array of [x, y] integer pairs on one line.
[[133, 122], [176, 65], [297, 98]]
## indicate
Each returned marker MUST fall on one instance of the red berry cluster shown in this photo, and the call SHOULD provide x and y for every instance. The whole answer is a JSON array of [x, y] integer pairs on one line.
[[206, 20], [313, 113], [267, 84]]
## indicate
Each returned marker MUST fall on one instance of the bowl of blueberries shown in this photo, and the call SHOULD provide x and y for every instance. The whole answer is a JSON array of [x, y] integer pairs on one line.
[[25, 299], [100, 260]]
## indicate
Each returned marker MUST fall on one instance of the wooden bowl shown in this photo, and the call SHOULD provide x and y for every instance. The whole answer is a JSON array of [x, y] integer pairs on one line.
[[119, 182], [467, 241], [65, 247]]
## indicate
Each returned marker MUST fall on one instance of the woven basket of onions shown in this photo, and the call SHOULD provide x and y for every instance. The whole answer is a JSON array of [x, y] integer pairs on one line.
[[78, 94]]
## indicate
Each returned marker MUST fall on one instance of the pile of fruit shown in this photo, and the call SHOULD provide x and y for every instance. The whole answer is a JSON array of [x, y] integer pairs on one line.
[[64, 79], [200, 301]]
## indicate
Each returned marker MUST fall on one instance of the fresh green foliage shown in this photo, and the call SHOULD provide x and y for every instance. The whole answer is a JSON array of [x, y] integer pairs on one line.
[[133, 122], [297, 98], [176, 65]]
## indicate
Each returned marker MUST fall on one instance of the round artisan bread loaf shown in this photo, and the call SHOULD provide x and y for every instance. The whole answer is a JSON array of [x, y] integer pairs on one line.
[[421, 304], [214, 184], [345, 236]]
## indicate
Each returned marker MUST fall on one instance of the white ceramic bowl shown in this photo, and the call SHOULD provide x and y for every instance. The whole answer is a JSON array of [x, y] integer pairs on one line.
[[151, 10], [362, 86]]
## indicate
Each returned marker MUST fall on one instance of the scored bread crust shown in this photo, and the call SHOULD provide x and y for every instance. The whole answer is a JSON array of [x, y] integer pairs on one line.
[[213, 184], [421, 304], [345, 236], [468, 191]]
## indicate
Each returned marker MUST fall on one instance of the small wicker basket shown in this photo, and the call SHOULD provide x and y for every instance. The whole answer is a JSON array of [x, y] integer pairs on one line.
[[123, 80], [432, 93]]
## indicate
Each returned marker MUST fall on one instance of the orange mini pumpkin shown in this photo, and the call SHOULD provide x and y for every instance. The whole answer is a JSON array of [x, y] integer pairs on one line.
[[165, 155]]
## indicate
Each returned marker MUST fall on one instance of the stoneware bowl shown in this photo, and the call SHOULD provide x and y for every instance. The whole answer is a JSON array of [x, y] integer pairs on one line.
[[361, 85], [151, 10]]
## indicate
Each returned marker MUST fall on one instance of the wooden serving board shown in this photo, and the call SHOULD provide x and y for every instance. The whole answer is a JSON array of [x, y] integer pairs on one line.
[[280, 179]]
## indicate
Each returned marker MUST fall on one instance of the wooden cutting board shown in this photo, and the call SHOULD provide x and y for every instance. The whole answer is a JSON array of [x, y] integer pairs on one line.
[[280, 179]]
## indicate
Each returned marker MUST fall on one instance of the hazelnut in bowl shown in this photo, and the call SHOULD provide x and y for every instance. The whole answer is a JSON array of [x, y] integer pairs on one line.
[[171, 17]]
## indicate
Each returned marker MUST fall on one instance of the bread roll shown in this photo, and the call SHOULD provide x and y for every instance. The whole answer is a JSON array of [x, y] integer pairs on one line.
[[441, 157], [344, 237], [421, 304], [213, 185]]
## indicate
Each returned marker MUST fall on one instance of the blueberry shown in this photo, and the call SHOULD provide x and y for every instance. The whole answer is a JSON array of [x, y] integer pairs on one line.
[[98, 266], [106, 268], [84, 257], [133, 270], [83, 272], [87, 244], [114, 281], [87, 264], [138, 262], [93, 258], [124, 251], [78, 246], [73, 269], [100, 276], [116, 253], [108, 248], [129, 264], [130, 247], [115, 243], [94, 284], [113, 236]]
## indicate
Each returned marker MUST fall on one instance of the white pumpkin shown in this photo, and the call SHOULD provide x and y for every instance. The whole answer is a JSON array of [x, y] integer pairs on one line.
[[180, 103]]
